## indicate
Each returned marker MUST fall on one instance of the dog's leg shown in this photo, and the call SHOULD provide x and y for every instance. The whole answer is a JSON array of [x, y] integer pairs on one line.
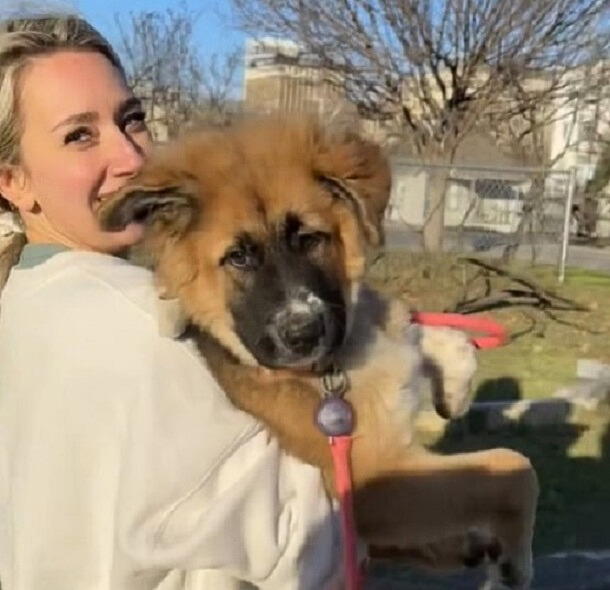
[[450, 362], [470, 550], [514, 569], [449, 355], [286, 405], [422, 498]]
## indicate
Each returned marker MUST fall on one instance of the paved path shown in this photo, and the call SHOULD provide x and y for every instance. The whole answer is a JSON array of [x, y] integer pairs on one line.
[[575, 571], [397, 237]]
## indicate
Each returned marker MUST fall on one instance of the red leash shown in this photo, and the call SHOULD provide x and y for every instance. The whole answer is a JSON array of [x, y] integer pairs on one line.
[[340, 447], [336, 420], [495, 334]]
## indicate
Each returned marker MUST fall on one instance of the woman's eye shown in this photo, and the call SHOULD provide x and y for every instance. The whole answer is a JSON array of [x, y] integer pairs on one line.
[[135, 121], [79, 135]]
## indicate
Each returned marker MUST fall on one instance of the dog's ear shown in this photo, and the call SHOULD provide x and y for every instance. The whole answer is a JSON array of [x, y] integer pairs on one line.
[[163, 206], [357, 171]]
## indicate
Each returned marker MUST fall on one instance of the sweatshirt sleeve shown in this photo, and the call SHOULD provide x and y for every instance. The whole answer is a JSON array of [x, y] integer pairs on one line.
[[126, 460], [207, 487]]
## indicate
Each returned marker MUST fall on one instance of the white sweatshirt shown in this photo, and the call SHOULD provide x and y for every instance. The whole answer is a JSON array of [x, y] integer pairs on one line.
[[122, 463]]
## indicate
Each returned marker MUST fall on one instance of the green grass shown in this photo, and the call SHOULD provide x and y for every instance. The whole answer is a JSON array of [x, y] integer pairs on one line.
[[542, 357], [572, 462], [583, 278], [573, 465]]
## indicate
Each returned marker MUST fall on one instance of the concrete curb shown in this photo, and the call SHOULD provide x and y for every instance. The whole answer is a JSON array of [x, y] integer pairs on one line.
[[522, 414], [577, 570]]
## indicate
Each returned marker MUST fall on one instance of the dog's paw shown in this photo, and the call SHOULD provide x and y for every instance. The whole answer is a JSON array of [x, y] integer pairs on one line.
[[450, 359]]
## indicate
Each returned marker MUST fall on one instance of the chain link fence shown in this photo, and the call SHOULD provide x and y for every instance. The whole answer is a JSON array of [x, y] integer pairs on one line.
[[510, 213]]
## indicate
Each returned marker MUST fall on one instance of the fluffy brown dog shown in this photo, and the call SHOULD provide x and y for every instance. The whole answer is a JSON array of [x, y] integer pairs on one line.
[[260, 233]]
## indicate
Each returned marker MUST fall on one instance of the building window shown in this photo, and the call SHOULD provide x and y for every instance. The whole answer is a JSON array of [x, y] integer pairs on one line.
[[495, 189], [584, 173], [588, 131]]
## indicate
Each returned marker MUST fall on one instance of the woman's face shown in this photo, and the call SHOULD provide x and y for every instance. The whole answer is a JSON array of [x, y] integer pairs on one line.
[[83, 135]]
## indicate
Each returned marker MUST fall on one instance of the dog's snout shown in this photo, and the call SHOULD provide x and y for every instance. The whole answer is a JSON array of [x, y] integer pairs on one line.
[[300, 331], [304, 329]]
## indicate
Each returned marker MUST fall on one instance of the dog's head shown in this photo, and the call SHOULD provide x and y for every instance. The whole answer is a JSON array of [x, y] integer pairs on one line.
[[261, 232]]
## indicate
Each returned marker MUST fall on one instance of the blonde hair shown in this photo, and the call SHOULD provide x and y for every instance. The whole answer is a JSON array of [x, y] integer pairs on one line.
[[21, 40]]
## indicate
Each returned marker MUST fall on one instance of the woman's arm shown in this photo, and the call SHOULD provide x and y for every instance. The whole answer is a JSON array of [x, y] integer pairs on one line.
[[122, 459]]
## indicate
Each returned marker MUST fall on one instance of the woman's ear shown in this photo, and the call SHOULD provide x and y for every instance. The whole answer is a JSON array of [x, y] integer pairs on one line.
[[14, 188]]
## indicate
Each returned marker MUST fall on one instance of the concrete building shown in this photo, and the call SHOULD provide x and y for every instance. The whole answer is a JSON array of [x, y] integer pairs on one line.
[[582, 124], [279, 76], [485, 188], [578, 136]]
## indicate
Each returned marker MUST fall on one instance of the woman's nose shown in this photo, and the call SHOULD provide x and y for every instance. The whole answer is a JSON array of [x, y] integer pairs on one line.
[[126, 157]]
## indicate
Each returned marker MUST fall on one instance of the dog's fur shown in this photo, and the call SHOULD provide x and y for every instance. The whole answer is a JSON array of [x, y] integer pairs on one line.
[[260, 233]]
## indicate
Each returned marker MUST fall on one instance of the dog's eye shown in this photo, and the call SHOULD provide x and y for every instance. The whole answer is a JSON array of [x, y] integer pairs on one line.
[[238, 258], [244, 255], [309, 240]]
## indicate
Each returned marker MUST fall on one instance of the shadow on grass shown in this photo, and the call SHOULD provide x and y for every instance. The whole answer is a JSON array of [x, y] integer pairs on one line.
[[499, 389], [572, 461], [573, 465]]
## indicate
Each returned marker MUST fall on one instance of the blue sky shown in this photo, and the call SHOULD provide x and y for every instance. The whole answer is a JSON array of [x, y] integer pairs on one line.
[[213, 31]]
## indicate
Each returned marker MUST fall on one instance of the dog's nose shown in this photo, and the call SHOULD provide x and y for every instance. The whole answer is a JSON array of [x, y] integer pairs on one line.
[[301, 332]]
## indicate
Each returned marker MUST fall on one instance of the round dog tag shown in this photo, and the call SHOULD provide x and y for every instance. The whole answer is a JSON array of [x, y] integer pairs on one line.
[[335, 417]]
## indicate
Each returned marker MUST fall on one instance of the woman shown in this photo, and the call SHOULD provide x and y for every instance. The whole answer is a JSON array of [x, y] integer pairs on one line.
[[122, 465]]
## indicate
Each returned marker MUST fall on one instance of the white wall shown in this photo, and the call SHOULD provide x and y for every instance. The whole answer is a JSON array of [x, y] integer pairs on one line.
[[578, 127]]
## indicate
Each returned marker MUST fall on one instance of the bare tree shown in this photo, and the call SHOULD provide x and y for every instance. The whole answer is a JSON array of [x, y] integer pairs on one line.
[[601, 178], [218, 74], [436, 67], [179, 86], [525, 136], [593, 194]]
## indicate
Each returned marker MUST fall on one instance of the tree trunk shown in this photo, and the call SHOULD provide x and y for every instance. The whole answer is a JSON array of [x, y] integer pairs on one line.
[[434, 224], [527, 223]]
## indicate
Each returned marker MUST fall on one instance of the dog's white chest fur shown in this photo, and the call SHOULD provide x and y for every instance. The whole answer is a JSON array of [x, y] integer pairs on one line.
[[385, 381]]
